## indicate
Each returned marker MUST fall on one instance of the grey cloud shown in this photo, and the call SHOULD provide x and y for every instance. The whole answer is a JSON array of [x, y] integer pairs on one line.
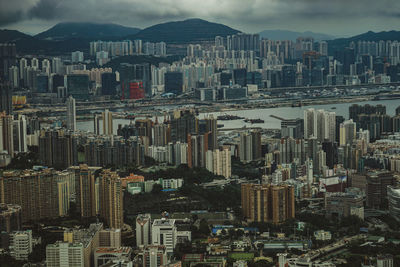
[[244, 14]]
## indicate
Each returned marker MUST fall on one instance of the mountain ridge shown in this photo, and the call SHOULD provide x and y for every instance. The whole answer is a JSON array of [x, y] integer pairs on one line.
[[86, 30]]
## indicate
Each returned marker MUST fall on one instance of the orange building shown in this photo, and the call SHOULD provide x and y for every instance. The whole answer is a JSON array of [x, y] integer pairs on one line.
[[132, 178]]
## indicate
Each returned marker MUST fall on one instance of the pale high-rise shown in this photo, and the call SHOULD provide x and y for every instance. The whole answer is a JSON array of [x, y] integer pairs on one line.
[[143, 230], [71, 114], [107, 122]]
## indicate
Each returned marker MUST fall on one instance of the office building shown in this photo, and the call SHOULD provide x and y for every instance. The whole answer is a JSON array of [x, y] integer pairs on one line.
[[111, 199], [6, 98], [268, 203], [20, 244], [108, 84], [164, 233], [78, 86], [107, 122], [42, 83], [71, 114], [135, 72], [377, 188], [173, 82], [134, 90], [143, 230], [10, 217]]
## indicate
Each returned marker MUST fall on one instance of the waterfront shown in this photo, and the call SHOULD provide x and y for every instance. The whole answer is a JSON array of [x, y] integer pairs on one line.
[[341, 109]]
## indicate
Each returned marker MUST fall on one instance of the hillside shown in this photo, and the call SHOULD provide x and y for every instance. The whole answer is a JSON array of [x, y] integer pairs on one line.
[[291, 35], [341, 43], [12, 36], [186, 31], [90, 31]]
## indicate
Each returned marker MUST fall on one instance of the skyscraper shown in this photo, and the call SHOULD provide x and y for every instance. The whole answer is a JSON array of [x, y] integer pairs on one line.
[[310, 123], [347, 132], [6, 134], [5, 98], [71, 114], [111, 199], [143, 230], [107, 122], [20, 134], [173, 82]]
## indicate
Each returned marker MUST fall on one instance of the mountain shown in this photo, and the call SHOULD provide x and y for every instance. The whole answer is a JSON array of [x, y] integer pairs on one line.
[[340, 43], [186, 31], [86, 30], [12, 36], [291, 35]]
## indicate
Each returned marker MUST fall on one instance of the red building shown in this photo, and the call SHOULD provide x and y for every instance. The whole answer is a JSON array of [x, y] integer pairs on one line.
[[134, 90]]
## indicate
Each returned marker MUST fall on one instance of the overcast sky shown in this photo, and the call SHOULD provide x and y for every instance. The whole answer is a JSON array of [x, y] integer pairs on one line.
[[336, 17]]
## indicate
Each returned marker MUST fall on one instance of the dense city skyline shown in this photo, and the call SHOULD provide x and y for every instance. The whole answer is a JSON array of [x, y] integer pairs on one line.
[[338, 18]]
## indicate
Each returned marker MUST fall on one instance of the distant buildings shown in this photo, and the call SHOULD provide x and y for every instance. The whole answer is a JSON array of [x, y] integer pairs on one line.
[[77, 57]]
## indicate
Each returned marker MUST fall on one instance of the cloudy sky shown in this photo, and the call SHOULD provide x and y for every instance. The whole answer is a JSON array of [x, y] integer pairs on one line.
[[336, 17]]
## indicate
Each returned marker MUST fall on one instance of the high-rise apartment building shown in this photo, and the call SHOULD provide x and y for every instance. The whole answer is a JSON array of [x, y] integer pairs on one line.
[[107, 122], [268, 203], [41, 194], [6, 134], [71, 114], [21, 244], [20, 134], [85, 189], [10, 217], [111, 199], [347, 132], [218, 161]]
